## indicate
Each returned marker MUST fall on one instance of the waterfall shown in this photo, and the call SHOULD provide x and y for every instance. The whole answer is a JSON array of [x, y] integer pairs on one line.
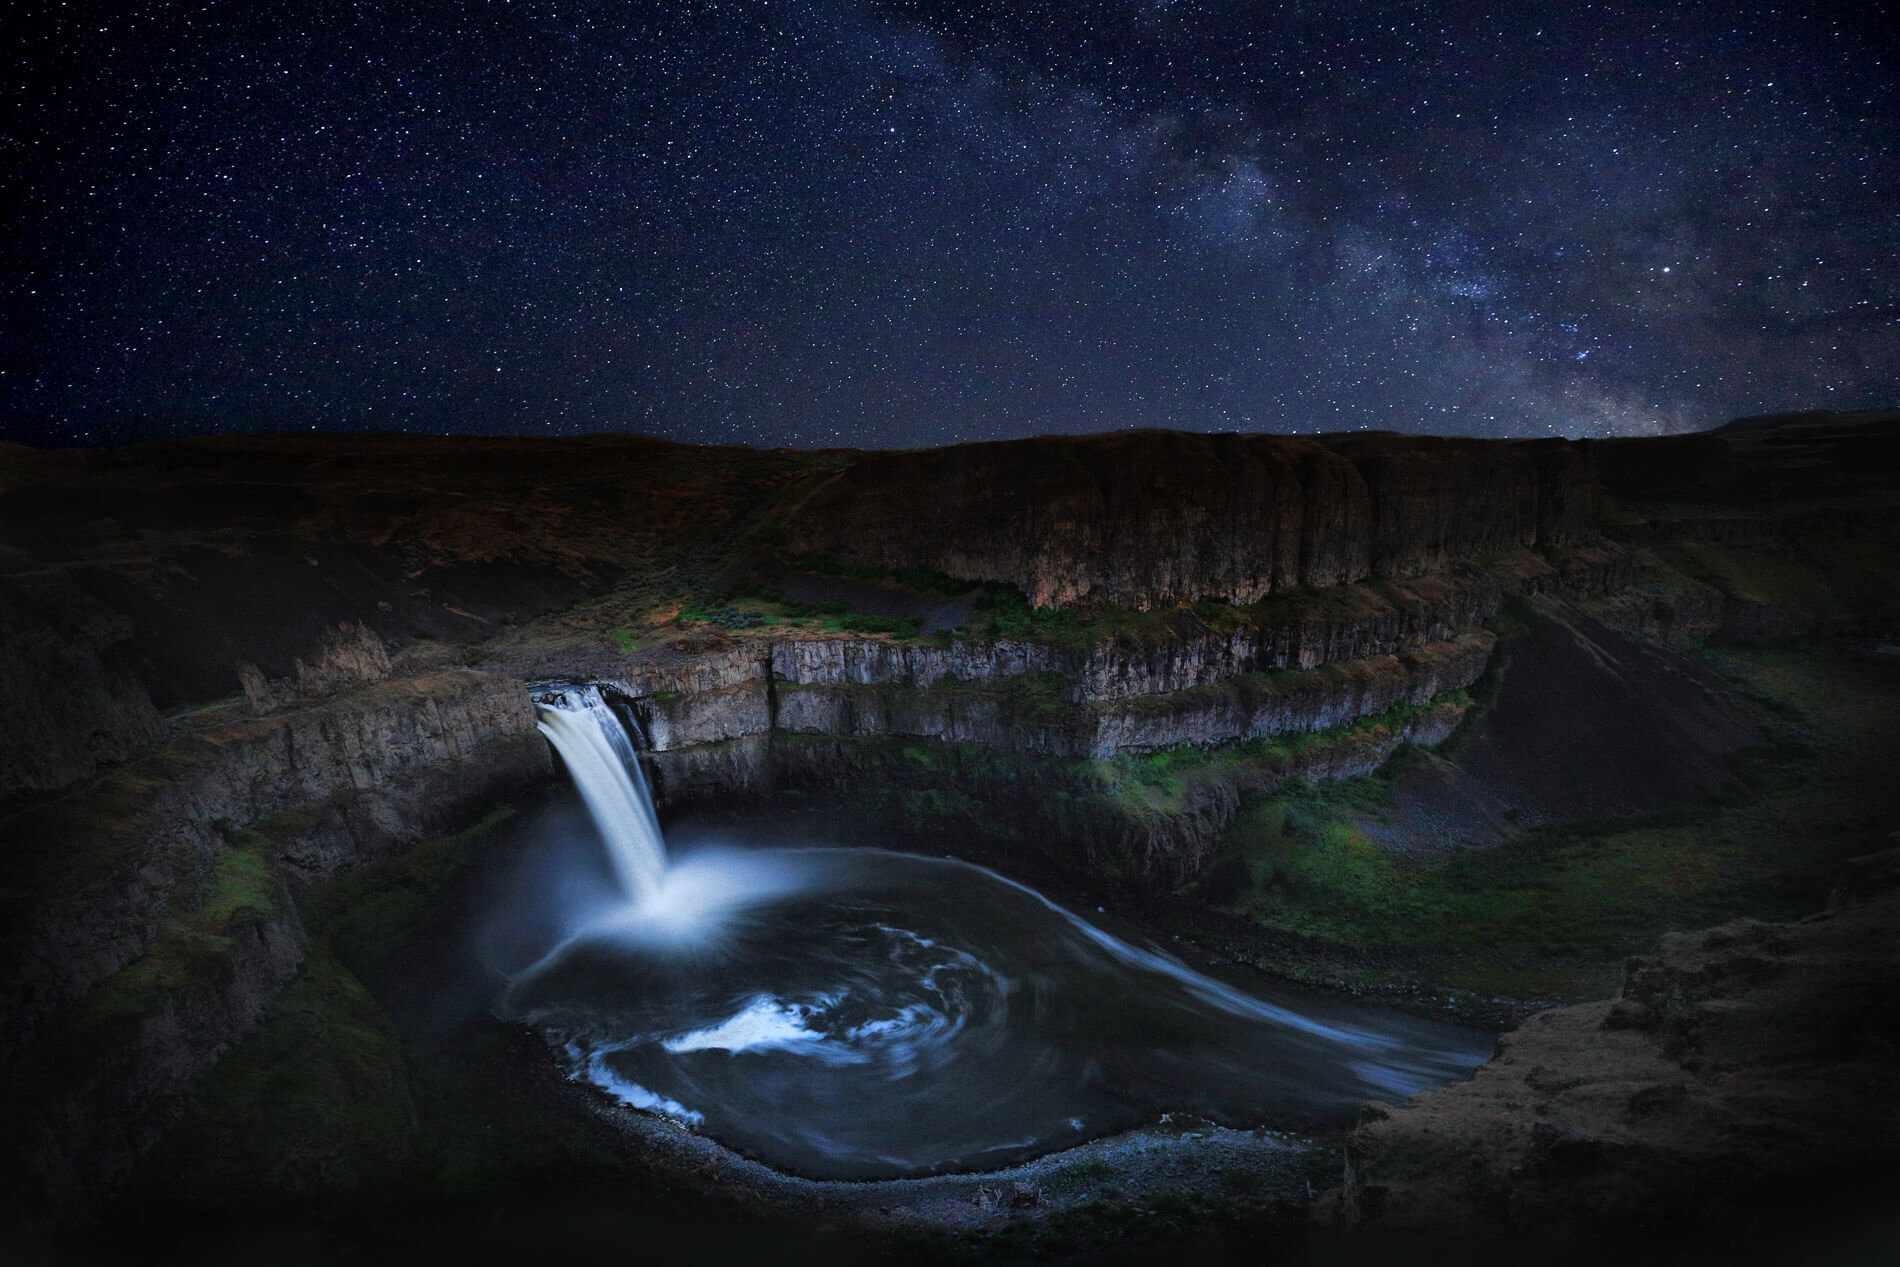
[[600, 756]]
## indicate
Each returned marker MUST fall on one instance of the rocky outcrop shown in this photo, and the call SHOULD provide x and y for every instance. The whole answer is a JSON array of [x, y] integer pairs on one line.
[[1009, 692], [362, 773], [1063, 702], [1660, 603], [1029, 716], [1143, 519], [735, 769], [994, 718], [867, 662], [1136, 518], [1295, 632], [152, 922], [349, 655], [107, 1078], [74, 705], [1079, 817], [1263, 705], [1737, 1065], [1437, 500]]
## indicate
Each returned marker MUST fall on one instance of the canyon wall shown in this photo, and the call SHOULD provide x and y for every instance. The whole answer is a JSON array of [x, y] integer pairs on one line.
[[1235, 709], [1101, 821], [1007, 731], [1152, 518], [150, 915], [74, 703], [209, 653]]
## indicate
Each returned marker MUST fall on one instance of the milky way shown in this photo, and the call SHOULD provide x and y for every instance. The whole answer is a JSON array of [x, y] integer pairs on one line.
[[916, 223]]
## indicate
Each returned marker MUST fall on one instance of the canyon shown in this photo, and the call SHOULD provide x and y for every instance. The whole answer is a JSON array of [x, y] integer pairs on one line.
[[245, 673]]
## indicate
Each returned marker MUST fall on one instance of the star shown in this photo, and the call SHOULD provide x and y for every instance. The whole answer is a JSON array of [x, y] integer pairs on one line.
[[919, 222]]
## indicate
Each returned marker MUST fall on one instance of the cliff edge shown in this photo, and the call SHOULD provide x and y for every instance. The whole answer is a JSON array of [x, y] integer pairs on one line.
[[1739, 1067]]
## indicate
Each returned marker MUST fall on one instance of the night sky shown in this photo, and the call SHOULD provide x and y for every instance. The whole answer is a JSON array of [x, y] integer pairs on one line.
[[916, 223]]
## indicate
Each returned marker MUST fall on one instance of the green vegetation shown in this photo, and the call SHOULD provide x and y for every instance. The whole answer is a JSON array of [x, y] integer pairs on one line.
[[1103, 809], [1003, 611], [763, 608], [320, 1094], [1011, 616], [365, 915], [916, 580], [1834, 580], [1126, 772], [195, 946], [902, 626], [997, 610], [1552, 913], [317, 1096], [724, 617]]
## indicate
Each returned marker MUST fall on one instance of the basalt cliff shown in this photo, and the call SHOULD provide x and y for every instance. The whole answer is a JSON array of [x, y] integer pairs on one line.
[[238, 669], [1152, 519]]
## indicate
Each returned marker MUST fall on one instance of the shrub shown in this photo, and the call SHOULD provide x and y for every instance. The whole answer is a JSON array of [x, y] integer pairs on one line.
[[902, 626]]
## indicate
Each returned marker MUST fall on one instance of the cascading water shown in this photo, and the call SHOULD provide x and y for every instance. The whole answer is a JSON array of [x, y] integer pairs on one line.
[[599, 755], [858, 1013]]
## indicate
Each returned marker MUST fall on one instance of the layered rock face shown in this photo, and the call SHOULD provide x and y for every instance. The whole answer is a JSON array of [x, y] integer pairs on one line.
[[1436, 500], [1301, 632], [1235, 709], [1737, 1065], [1262, 705], [1042, 699], [149, 918], [1135, 518], [73, 701], [1147, 839], [1145, 519], [368, 772], [746, 717]]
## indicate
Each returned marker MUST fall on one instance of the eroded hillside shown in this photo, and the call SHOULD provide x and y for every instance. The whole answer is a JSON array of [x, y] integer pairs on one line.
[[1163, 671]]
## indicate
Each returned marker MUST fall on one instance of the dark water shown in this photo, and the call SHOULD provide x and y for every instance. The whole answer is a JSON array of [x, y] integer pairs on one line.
[[856, 1013]]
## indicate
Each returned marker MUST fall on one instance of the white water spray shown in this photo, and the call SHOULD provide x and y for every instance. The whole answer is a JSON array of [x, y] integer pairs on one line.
[[600, 755]]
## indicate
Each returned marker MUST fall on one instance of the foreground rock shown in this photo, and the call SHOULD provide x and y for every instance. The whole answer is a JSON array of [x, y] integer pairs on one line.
[[150, 917], [1739, 1065]]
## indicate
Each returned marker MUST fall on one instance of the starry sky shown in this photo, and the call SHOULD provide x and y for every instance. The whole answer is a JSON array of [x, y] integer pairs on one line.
[[841, 222]]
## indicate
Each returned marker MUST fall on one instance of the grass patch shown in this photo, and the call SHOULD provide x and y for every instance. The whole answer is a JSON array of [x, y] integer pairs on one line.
[[727, 617], [195, 945], [369, 913], [316, 1097], [900, 626], [319, 1096], [1165, 768], [1553, 912], [1010, 615], [916, 580]]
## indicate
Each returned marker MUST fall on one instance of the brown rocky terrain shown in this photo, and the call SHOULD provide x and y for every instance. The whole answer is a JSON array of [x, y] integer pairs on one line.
[[1737, 1066], [238, 669]]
